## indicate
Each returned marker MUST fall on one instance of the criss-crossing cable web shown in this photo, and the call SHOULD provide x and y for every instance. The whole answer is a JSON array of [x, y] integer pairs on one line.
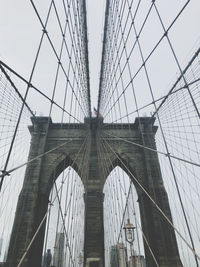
[[59, 76], [54, 83], [120, 204], [140, 56], [180, 125], [11, 156], [64, 236], [65, 226], [138, 60], [134, 36]]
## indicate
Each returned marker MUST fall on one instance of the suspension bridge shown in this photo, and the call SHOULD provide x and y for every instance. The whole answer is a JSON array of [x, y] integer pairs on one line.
[[113, 187]]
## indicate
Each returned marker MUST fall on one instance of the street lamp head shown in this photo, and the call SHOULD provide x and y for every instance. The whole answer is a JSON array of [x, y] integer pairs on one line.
[[129, 231]]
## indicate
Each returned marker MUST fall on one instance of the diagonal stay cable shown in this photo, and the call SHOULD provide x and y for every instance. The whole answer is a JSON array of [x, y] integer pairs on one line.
[[44, 218], [53, 48], [154, 150], [111, 223], [149, 55], [146, 241], [7, 173], [73, 47], [155, 204], [126, 207], [123, 48], [176, 58], [157, 100], [25, 97], [119, 22], [177, 81], [37, 90], [17, 91], [160, 124]]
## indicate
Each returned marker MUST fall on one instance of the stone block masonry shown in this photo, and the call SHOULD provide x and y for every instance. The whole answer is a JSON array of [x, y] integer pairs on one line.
[[137, 162]]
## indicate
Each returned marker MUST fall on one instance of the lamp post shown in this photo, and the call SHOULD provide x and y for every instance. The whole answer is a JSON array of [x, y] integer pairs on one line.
[[129, 234]]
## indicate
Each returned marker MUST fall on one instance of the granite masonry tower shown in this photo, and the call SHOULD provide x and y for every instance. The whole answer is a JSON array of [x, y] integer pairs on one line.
[[40, 174]]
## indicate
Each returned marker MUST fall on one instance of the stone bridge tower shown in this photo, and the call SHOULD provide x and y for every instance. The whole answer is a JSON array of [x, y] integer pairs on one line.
[[141, 165]]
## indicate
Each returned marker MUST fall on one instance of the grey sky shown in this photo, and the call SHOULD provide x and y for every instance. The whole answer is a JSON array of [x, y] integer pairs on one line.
[[20, 32]]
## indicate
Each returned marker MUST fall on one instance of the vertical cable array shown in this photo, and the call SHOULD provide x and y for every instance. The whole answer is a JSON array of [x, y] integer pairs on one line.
[[11, 101], [67, 214], [58, 87], [139, 57], [180, 131]]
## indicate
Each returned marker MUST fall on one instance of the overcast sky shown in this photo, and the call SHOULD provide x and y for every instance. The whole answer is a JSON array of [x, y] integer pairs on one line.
[[20, 33]]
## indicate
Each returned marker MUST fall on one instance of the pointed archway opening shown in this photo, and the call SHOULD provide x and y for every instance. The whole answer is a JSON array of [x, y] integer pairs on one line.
[[64, 235], [121, 205]]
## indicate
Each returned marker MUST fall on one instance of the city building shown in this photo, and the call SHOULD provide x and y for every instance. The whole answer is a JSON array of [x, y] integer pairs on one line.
[[47, 259], [58, 257], [1, 245], [138, 261], [118, 255]]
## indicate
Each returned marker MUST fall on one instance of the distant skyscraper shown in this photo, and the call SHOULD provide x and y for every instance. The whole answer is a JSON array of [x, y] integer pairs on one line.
[[1, 244], [58, 257], [114, 257], [138, 261], [118, 255], [47, 259], [5, 254]]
